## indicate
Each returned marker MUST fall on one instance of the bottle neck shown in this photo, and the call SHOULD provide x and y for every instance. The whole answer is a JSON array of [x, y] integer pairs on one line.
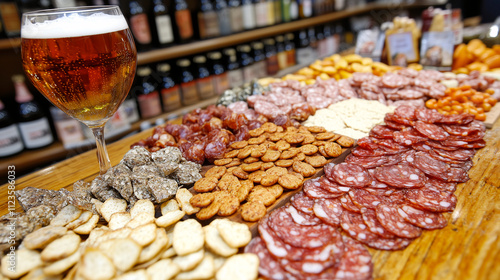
[[22, 93]]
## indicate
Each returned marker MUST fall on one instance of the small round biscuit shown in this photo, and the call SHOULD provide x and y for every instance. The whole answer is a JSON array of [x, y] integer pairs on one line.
[[206, 184]]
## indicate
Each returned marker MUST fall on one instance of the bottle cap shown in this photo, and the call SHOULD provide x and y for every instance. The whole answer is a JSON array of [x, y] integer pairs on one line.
[[269, 41], [144, 71], [183, 62], [163, 67], [200, 59], [214, 55]]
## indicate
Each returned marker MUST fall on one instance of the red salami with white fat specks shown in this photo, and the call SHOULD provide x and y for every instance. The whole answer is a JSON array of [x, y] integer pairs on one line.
[[464, 144], [351, 175], [409, 136], [302, 218], [461, 119], [392, 117], [422, 218], [364, 199], [366, 162], [390, 144], [313, 189], [465, 130], [328, 210], [390, 219], [431, 130], [400, 176], [367, 143], [348, 205], [439, 169], [406, 112], [370, 219], [332, 187], [437, 144], [268, 265], [394, 125], [437, 156], [274, 244], [297, 235], [381, 132], [356, 263], [302, 203], [473, 137], [382, 151], [428, 115], [462, 154], [432, 200], [390, 244], [353, 224], [441, 185]]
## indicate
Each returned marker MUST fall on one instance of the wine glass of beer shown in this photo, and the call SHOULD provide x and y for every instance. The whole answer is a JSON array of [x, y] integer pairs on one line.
[[83, 60]]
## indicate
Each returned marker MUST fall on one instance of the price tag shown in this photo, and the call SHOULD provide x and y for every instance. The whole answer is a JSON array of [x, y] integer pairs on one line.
[[401, 48]]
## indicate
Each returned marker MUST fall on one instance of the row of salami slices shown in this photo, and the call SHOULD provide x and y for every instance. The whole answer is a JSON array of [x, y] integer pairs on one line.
[[396, 183]]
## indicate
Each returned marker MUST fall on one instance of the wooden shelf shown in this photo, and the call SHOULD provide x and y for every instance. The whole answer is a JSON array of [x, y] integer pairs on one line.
[[246, 36]]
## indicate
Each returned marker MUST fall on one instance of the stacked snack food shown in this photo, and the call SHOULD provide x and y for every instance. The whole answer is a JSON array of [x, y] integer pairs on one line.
[[475, 56]]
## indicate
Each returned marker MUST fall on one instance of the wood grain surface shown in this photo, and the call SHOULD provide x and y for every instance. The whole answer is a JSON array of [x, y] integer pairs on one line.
[[468, 248]]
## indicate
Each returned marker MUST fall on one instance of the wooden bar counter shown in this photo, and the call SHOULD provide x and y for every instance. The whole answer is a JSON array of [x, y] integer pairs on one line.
[[468, 248]]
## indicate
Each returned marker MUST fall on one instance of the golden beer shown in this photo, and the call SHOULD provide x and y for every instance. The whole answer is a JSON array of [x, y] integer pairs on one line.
[[85, 72]]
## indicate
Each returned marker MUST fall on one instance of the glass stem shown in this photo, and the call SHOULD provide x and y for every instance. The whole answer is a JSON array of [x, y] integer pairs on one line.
[[102, 153]]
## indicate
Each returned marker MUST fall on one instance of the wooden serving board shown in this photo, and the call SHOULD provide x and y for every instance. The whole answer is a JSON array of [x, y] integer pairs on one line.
[[282, 200], [492, 116]]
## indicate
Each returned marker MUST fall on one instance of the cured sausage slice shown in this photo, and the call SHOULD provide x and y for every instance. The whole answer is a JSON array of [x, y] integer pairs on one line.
[[431, 131], [392, 117], [428, 115], [382, 132], [472, 137], [464, 144], [436, 144], [348, 204], [313, 189], [366, 162], [302, 218], [351, 175], [462, 154], [437, 156], [367, 143], [440, 185], [429, 165], [409, 136], [361, 152], [394, 125], [302, 203], [353, 224], [268, 265], [390, 219], [298, 235], [390, 244], [390, 144], [364, 199], [392, 80], [432, 200], [274, 244], [332, 187], [422, 218], [465, 130], [328, 210], [457, 119], [400, 176], [370, 219], [356, 263]]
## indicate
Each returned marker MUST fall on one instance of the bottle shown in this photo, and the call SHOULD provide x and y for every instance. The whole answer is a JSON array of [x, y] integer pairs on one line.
[[208, 23], [11, 19], [285, 10], [223, 16], [69, 130], [270, 12], [139, 26], [330, 39], [129, 108], [280, 49], [278, 17], [221, 82], [148, 97], [320, 36], [169, 90], [183, 21], [204, 80], [187, 82], [163, 23], [304, 52], [259, 57], [290, 49], [313, 42], [236, 13], [10, 138], [261, 14], [340, 5], [319, 7], [234, 72], [248, 8], [294, 9], [33, 124], [246, 60], [305, 8], [272, 66]]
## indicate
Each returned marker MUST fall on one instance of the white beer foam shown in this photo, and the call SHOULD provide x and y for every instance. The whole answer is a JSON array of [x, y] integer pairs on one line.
[[74, 25]]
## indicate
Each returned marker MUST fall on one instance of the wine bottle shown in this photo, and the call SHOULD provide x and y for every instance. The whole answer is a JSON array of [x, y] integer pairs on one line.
[[305, 8], [236, 13], [272, 65], [223, 16], [162, 23], [204, 80], [259, 57], [183, 21], [10, 139], [248, 14], [221, 82], [261, 14], [148, 97], [188, 82], [290, 49], [208, 23], [280, 49], [234, 72], [246, 60], [9, 13], [33, 123], [169, 89], [139, 25]]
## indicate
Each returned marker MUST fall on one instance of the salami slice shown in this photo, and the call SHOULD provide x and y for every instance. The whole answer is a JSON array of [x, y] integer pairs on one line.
[[428, 115], [390, 144], [366, 162], [431, 200], [302, 218], [431, 131], [392, 117], [437, 156], [332, 187], [422, 218], [297, 235], [274, 244], [351, 175], [362, 152], [356, 263], [392, 80], [390, 219], [364, 199], [465, 130], [406, 112], [370, 219], [464, 144], [409, 93], [312, 188], [472, 137], [394, 159], [441, 185], [430, 166], [437, 144], [390, 244], [367, 143], [347, 204], [394, 125], [328, 210], [409, 136], [421, 146], [462, 154], [353, 224], [382, 132], [302, 203], [457, 119], [465, 166], [268, 265], [400, 176]]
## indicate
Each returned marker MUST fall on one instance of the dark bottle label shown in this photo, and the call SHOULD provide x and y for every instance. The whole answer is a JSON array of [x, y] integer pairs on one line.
[[189, 93], [171, 98], [184, 24], [209, 24], [272, 65], [149, 104], [205, 87], [140, 28]]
